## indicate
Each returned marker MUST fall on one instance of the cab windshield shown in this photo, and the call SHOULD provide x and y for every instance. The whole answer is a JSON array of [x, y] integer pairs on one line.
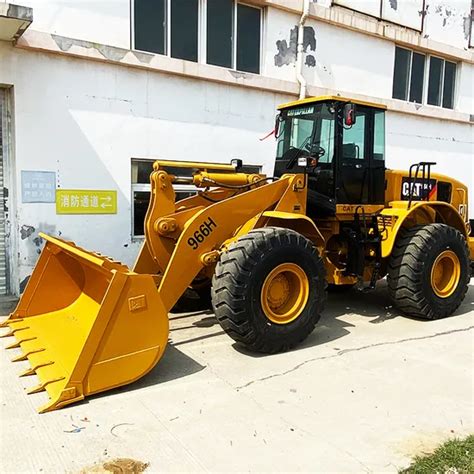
[[308, 128]]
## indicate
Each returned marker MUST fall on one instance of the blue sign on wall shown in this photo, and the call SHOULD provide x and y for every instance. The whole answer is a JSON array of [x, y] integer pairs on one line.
[[38, 186]]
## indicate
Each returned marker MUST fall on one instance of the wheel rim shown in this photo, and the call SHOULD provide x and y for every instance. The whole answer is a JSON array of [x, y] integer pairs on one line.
[[285, 293], [445, 274]]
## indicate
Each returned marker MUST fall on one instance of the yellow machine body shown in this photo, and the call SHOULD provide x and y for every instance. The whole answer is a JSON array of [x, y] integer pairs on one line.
[[87, 323]]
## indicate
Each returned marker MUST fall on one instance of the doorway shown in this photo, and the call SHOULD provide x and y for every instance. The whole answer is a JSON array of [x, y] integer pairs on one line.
[[4, 287]]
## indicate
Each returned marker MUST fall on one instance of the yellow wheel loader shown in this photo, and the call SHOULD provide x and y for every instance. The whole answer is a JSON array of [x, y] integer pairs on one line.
[[265, 247]]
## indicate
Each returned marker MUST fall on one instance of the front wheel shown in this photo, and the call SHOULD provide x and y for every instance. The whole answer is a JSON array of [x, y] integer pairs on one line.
[[428, 274], [269, 289]]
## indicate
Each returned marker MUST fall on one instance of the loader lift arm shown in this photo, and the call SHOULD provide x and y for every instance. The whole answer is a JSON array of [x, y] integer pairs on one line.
[[108, 325], [184, 241]]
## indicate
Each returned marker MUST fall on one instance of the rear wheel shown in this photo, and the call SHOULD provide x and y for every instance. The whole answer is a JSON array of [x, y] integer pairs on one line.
[[428, 273], [269, 289]]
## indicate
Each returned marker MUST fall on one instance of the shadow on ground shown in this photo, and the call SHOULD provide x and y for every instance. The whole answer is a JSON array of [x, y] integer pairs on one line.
[[374, 305], [176, 364]]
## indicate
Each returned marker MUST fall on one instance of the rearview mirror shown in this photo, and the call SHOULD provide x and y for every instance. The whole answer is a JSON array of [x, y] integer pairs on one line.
[[277, 124], [349, 115]]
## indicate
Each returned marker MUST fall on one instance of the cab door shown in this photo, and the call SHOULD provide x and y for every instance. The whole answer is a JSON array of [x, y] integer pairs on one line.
[[353, 167]]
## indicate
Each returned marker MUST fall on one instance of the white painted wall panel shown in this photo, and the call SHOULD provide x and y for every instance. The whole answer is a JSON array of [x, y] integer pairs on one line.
[[403, 12], [339, 60], [105, 22], [351, 62], [280, 54], [465, 88], [370, 7], [447, 21]]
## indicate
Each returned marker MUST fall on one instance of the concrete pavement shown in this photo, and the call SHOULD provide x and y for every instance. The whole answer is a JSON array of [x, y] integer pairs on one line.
[[368, 390]]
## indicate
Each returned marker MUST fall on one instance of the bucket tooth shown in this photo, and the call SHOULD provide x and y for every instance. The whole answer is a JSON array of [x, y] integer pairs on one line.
[[32, 370], [16, 344], [8, 322], [26, 354], [42, 386], [5, 323], [13, 331]]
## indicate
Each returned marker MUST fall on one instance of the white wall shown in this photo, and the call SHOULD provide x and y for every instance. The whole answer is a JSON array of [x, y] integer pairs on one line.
[[465, 88], [85, 120], [451, 145], [344, 60], [100, 21], [447, 21]]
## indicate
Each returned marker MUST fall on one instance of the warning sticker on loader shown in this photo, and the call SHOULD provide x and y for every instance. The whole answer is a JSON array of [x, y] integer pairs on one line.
[[86, 201]]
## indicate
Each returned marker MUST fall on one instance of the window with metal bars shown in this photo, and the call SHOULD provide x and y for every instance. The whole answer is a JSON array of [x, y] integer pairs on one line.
[[223, 33], [423, 79]]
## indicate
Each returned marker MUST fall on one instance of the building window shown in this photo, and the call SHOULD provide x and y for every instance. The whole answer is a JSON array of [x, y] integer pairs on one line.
[[150, 25], [184, 29], [409, 77], [248, 38], [231, 37], [441, 82], [220, 26], [141, 189]]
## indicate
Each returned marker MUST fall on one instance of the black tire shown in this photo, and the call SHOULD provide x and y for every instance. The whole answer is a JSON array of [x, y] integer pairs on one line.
[[332, 288], [238, 281], [409, 273]]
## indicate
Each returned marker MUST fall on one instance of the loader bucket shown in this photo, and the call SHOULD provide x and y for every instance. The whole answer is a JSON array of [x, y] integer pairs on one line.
[[86, 324]]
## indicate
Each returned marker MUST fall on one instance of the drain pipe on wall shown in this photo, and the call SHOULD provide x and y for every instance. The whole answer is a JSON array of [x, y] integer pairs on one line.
[[300, 50]]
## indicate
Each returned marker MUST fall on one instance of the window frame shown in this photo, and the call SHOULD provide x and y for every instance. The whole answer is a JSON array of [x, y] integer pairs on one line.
[[441, 86], [202, 34], [426, 78], [408, 88]]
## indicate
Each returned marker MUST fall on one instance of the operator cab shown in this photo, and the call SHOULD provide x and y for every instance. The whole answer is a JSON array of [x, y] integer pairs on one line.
[[340, 144]]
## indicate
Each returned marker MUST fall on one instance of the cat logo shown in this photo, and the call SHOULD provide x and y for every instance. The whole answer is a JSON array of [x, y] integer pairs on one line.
[[419, 188]]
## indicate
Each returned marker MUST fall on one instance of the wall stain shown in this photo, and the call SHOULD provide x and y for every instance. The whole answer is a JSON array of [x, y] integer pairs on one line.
[[287, 51], [143, 57], [447, 13], [393, 4], [20, 12], [108, 52], [239, 75], [26, 231], [466, 24], [310, 61]]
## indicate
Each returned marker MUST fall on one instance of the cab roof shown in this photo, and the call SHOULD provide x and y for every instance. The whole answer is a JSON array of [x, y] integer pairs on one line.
[[326, 98]]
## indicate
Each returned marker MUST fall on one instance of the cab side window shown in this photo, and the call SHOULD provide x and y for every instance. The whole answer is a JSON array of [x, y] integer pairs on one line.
[[353, 138], [379, 135], [327, 140]]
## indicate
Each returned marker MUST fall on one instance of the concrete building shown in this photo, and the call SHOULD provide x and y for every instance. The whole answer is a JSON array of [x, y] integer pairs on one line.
[[92, 91]]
